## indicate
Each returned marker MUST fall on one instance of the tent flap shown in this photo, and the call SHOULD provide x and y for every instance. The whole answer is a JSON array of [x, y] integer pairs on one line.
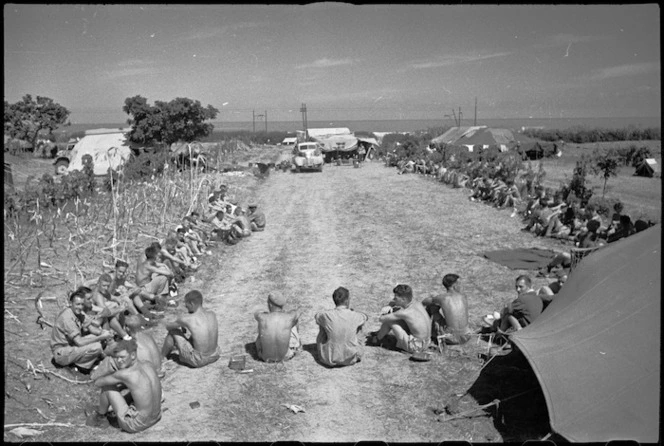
[[596, 348], [108, 150]]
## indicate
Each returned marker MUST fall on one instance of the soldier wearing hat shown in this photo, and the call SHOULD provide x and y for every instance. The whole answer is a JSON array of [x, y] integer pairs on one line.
[[256, 217]]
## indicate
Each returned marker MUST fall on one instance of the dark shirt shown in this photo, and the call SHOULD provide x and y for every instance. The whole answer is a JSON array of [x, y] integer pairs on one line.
[[526, 308]]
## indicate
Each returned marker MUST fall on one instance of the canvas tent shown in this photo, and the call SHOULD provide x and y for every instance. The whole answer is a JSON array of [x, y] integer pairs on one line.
[[339, 142], [475, 136], [596, 349], [108, 148], [534, 149], [649, 167]]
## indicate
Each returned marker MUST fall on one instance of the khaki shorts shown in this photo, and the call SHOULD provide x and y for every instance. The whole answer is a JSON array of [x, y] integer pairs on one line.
[[132, 421], [412, 344], [157, 286], [192, 357]]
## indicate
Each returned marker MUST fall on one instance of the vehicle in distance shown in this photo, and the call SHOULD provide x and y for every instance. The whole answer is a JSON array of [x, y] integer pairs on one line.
[[308, 156]]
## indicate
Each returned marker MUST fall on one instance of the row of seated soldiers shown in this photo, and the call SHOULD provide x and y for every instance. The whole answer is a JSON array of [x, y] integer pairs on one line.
[[543, 212], [100, 333], [168, 262], [547, 215]]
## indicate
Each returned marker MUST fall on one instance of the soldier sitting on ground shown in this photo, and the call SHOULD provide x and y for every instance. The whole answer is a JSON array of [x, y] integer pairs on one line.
[[69, 345], [143, 388], [278, 337], [256, 217], [337, 342], [193, 335], [449, 313], [406, 320]]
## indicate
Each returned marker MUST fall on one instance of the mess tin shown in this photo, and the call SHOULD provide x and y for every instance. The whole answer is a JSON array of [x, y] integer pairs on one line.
[[237, 362]]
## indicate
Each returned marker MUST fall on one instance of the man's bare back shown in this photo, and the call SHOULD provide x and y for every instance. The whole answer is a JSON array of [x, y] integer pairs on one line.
[[144, 385], [143, 274], [203, 327], [454, 307], [274, 331], [417, 319], [148, 350]]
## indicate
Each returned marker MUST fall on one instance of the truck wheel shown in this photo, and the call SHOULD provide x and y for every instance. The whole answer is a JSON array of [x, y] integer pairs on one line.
[[298, 169], [320, 169], [61, 166]]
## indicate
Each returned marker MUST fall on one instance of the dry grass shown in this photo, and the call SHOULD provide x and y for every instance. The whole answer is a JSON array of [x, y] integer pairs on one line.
[[366, 229], [642, 197]]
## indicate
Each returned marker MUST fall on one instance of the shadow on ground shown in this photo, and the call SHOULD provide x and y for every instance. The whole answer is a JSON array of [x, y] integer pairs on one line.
[[522, 413]]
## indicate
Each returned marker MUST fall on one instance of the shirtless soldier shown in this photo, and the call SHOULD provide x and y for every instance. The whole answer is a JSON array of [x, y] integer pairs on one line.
[[450, 312], [152, 278], [278, 338], [146, 350], [409, 324], [140, 379], [197, 347]]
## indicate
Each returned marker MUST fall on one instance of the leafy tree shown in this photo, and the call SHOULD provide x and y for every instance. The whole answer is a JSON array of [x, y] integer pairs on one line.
[[578, 183], [181, 119], [605, 165], [28, 117]]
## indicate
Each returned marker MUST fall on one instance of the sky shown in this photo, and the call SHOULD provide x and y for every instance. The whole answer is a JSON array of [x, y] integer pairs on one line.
[[345, 62]]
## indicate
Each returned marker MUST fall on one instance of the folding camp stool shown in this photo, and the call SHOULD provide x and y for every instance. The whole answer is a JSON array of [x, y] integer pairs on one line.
[[443, 347]]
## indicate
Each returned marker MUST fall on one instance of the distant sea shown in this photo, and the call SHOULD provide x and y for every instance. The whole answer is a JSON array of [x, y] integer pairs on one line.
[[411, 125]]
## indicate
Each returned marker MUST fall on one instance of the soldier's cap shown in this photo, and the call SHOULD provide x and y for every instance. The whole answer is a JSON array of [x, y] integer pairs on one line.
[[276, 299]]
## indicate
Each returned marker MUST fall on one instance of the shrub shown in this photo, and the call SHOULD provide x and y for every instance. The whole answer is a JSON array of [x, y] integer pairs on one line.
[[578, 182], [145, 165], [510, 166], [580, 135], [639, 155]]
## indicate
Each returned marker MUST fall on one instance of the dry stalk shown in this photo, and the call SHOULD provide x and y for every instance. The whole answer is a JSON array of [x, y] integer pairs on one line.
[[44, 371], [7, 426], [19, 259]]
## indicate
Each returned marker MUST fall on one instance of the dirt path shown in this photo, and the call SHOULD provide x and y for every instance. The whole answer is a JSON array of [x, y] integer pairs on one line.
[[366, 229]]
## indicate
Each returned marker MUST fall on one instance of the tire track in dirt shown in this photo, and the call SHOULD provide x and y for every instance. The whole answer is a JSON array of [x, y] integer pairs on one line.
[[362, 229], [301, 255]]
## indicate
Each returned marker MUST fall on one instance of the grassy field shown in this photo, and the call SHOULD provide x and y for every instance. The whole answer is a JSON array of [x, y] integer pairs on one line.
[[366, 229], [641, 196]]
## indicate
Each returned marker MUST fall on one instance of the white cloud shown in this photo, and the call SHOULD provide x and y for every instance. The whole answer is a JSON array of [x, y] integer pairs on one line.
[[214, 32], [325, 63], [129, 72], [625, 70], [566, 39], [454, 60], [132, 63]]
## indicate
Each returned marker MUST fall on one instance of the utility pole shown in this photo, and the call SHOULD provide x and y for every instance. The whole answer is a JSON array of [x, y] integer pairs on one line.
[[475, 123], [303, 110], [459, 117], [455, 118], [260, 117], [253, 119]]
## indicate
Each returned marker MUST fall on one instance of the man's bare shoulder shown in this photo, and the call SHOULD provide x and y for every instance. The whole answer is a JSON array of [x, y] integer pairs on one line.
[[208, 312], [455, 296], [126, 375]]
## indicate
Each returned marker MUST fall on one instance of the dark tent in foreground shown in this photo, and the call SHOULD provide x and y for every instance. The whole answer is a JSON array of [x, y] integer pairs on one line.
[[596, 348]]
